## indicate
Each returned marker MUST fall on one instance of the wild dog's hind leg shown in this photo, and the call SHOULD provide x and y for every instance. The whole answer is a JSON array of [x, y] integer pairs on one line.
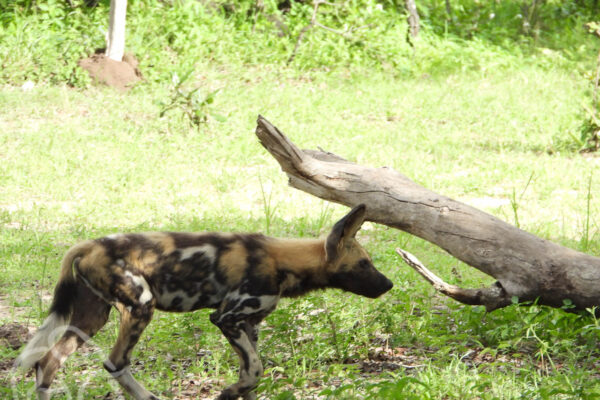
[[89, 315], [134, 320]]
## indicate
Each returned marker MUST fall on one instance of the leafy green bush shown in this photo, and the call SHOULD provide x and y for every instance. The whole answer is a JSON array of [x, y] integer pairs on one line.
[[190, 103], [550, 23], [43, 41]]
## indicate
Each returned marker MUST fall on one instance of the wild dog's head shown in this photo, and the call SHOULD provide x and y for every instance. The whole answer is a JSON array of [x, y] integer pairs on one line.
[[349, 267]]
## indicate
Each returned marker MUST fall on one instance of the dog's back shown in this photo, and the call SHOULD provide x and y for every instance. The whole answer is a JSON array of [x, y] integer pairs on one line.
[[182, 271]]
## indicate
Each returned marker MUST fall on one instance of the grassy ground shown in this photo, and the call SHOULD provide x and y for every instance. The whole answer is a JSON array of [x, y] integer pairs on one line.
[[77, 164]]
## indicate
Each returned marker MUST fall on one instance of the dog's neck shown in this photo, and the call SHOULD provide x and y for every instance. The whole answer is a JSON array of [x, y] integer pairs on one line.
[[300, 265]]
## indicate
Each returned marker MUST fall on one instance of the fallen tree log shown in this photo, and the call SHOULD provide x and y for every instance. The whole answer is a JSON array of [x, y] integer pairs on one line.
[[524, 265]]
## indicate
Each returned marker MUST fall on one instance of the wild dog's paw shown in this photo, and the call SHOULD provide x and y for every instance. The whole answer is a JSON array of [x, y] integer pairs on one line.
[[228, 394], [249, 396]]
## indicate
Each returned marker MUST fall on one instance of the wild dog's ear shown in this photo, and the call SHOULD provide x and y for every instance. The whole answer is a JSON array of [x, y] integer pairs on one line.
[[345, 228], [353, 221]]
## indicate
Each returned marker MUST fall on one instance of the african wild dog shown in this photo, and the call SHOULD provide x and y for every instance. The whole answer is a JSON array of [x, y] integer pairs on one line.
[[242, 276]]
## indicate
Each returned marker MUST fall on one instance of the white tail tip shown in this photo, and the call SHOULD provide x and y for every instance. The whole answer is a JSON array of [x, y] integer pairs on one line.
[[50, 331]]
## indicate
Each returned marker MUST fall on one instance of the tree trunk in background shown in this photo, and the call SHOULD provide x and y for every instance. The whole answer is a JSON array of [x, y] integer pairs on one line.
[[413, 20], [115, 37], [448, 10], [524, 265]]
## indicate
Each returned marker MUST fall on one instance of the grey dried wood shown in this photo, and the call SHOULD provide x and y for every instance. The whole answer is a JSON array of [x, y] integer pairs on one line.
[[524, 265]]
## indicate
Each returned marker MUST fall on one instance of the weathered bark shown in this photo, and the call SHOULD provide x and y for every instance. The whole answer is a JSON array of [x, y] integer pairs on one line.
[[524, 265]]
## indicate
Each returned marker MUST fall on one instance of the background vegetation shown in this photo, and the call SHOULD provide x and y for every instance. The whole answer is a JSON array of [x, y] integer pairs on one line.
[[490, 106]]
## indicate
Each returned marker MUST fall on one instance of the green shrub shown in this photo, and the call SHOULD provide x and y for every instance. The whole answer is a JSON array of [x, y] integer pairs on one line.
[[43, 41]]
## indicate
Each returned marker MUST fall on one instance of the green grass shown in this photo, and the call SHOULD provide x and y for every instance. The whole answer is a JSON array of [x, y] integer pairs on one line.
[[79, 164], [477, 111], [42, 41]]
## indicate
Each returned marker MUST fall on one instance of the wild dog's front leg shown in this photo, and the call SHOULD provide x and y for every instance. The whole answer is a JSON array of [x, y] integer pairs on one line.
[[238, 318], [251, 368]]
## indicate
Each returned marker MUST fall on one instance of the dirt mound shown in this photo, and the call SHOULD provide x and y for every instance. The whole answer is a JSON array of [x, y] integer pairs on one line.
[[13, 335], [118, 74]]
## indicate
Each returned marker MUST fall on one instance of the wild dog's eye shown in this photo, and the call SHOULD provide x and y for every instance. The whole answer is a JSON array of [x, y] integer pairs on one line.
[[364, 264]]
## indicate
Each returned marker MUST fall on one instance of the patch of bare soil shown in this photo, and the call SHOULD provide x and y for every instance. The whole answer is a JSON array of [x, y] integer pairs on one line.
[[121, 75], [190, 389], [13, 335], [390, 358]]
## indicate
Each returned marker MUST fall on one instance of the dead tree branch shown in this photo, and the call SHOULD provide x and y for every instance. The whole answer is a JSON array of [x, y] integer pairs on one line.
[[524, 265], [492, 298]]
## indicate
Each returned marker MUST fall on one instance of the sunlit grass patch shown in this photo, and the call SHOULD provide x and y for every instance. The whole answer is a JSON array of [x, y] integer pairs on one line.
[[82, 164]]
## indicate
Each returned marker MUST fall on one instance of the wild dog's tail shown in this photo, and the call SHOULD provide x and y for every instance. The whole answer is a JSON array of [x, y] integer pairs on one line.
[[55, 324]]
